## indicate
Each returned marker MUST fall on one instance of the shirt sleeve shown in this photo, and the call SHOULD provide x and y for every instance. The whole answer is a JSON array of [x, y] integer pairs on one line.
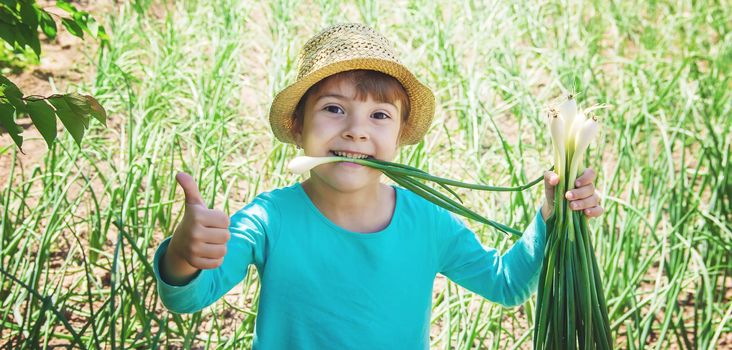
[[507, 279], [252, 229]]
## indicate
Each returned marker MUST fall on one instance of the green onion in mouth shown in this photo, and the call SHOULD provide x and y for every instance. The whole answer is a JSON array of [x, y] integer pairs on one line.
[[412, 179]]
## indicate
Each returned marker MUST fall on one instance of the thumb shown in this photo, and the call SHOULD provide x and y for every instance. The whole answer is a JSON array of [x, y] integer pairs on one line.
[[190, 188]]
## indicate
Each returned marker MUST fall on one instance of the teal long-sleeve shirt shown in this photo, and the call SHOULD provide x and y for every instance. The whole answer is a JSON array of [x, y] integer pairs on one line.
[[324, 287]]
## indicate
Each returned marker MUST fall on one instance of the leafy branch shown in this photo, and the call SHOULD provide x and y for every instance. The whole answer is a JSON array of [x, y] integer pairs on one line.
[[20, 21]]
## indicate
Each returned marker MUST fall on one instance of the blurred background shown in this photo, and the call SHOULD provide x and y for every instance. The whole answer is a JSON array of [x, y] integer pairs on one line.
[[187, 87]]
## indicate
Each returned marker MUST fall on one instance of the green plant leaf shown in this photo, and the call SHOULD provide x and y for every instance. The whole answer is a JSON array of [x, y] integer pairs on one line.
[[69, 118], [7, 33], [29, 14], [93, 27], [30, 38], [7, 121], [102, 36], [81, 18], [96, 110], [80, 106], [72, 27], [44, 119], [48, 25], [12, 93], [66, 6], [9, 3], [7, 16]]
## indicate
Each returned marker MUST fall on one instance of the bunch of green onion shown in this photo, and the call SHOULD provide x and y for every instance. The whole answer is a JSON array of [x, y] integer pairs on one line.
[[412, 179], [571, 310]]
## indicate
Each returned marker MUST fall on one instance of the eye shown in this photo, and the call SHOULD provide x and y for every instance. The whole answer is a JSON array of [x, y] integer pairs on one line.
[[385, 116], [333, 109]]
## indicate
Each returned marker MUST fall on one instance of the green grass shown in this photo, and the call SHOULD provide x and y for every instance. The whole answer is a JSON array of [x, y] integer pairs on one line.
[[188, 87]]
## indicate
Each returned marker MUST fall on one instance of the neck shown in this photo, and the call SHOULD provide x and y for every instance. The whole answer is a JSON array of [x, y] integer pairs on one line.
[[359, 210]]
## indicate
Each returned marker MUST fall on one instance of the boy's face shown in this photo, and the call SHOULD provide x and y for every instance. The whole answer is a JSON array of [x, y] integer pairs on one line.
[[334, 120]]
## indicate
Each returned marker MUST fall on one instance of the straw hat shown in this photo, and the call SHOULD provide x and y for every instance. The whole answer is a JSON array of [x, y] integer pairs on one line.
[[345, 47]]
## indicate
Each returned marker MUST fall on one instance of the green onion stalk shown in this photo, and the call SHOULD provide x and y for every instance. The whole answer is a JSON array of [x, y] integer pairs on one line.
[[571, 308], [413, 179]]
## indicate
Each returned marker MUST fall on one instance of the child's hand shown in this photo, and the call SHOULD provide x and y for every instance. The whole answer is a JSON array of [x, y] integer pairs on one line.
[[199, 241], [583, 197]]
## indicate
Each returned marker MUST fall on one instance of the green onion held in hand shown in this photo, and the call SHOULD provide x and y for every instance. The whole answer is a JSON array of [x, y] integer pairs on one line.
[[410, 178], [571, 310]]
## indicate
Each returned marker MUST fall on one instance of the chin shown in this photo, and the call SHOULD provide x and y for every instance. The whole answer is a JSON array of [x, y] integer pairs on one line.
[[350, 181]]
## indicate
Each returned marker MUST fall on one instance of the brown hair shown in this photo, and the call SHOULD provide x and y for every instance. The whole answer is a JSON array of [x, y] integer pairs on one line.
[[379, 86]]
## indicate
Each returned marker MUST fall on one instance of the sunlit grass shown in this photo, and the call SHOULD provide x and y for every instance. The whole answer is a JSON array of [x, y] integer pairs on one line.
[[188, 87]]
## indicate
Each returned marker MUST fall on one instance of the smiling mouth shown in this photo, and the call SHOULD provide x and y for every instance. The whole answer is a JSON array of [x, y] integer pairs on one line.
[[348, 155]]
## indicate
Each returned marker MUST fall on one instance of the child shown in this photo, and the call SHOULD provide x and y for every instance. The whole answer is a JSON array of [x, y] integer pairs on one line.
[[346, 262]]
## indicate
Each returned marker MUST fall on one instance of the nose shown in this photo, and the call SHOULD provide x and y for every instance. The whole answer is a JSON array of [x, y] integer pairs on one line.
[[356, 130]]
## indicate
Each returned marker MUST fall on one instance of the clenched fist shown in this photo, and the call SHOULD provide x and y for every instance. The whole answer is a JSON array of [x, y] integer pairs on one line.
[[199, 241]]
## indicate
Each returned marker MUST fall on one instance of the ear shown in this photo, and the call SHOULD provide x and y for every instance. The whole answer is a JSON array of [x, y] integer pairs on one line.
[[297, 135]]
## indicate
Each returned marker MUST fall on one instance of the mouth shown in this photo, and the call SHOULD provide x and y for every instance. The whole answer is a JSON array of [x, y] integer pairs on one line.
[[354, 155]]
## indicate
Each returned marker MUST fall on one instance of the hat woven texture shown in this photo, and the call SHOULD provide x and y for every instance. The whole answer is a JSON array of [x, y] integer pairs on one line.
[[345, 47]]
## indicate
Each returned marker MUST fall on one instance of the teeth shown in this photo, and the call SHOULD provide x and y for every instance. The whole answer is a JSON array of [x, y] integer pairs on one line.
[[350, 155]]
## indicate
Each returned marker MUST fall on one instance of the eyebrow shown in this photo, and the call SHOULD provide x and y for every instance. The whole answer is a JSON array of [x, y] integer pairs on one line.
[[341, 97]]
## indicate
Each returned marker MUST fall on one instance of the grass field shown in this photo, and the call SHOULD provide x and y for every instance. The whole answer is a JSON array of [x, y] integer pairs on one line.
[[188, 87]]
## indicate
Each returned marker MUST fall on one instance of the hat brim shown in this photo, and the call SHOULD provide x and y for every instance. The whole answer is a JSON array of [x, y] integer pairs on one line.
[[422, 101]]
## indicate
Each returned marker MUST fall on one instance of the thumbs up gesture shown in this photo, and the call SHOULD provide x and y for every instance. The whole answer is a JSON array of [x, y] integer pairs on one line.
[[199, 241]]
